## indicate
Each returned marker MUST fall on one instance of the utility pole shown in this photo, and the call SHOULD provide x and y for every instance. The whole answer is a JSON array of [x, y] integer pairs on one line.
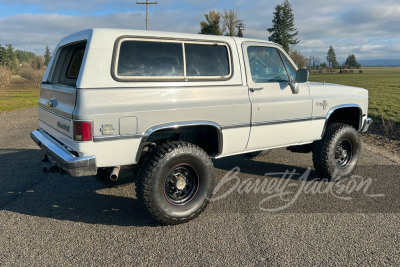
[[147, 3]]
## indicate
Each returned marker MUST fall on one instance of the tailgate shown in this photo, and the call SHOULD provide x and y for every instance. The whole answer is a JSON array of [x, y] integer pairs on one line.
[[58, 92], [56, 106]]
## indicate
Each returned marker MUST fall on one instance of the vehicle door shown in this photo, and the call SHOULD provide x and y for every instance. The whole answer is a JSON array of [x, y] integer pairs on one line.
[[280, 115]]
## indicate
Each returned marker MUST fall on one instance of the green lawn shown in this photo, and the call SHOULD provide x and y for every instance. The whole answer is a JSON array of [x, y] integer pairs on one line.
[[383, 85], [18, 95]]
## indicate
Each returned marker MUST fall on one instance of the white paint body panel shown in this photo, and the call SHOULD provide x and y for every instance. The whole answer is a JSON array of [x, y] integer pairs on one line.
[[227, 103]]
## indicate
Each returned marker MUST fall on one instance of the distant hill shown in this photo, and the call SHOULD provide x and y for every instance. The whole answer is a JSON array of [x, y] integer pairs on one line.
[[380, 62]]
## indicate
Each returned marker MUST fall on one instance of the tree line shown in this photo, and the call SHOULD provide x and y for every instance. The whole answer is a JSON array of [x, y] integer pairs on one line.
[[13, 59], [28, 65], [282, 32], [228, 23]]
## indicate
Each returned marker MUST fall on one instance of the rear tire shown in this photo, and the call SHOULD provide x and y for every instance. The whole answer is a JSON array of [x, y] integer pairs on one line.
[[176, 182], [337, 154]]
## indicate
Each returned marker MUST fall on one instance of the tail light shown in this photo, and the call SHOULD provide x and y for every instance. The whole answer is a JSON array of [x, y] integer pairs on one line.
[[83, 130]]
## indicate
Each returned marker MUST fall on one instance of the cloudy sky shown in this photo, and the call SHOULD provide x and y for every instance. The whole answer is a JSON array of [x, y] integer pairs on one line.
[[370, 29]]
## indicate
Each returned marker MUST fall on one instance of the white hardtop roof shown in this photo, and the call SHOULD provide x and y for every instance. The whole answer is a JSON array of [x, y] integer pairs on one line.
[[115, 33]]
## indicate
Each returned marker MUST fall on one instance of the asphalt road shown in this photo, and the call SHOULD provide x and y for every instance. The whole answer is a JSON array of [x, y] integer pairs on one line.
[[268, 217]]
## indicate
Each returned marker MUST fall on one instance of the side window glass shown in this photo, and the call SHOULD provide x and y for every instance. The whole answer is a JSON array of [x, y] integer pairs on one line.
[[75, 63], [206, 60], [150, 59], [266, 65], [289, 67]]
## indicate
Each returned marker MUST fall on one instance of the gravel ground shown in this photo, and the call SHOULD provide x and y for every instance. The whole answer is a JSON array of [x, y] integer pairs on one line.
[[60, 220]]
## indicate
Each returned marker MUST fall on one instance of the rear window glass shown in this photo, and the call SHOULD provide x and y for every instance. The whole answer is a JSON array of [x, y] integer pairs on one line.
[[150, 59], [75, 64], [206, 60], [67, 64]]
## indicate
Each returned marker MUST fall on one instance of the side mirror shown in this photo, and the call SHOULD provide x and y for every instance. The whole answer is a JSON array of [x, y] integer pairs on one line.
[[294, 87], [302, 75]]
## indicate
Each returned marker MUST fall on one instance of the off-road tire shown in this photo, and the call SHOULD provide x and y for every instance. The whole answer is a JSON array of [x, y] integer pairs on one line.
[[337, 154], [154, 182]]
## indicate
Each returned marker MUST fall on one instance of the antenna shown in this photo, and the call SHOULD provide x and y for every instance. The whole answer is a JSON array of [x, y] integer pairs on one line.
[[147, 3]]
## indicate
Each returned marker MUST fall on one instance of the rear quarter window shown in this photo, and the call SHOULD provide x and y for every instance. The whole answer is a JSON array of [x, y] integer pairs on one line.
[[75, 63], [68, 64], [137, 59], [150, 59], [207, 60]]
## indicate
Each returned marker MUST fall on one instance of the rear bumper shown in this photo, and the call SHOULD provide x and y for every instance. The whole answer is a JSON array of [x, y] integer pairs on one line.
[[76, 166], [367, 123]]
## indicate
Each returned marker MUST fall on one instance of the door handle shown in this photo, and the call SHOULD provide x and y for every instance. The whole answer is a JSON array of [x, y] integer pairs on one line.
[[256, 89]]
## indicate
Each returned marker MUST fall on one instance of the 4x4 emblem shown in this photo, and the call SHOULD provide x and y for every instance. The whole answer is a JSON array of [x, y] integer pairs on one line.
[[323, 104]]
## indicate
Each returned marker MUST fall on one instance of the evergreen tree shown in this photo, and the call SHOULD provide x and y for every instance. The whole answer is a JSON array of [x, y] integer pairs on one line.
[[241, 28], [47, 56], [10, 59], [351, 62], [24, 56], [283, 31], [211, 25], [331, 58], [3, 56]]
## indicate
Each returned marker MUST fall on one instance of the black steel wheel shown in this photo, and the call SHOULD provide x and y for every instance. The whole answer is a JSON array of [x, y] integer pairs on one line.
[[337, 154], [343, 153], [181, 184]]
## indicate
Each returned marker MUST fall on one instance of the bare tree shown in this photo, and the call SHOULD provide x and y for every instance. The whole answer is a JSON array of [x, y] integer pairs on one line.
[[313, 62], [299, 59], [231, 24]]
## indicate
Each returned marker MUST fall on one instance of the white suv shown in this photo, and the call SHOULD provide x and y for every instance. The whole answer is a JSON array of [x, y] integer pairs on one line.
[[168, 102]]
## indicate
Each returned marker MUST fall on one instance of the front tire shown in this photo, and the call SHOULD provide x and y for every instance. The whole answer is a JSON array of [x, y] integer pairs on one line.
[[337, 154], [176, 182]]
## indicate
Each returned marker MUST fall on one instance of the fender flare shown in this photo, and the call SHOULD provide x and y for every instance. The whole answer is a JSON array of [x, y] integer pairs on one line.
[[179, 125]]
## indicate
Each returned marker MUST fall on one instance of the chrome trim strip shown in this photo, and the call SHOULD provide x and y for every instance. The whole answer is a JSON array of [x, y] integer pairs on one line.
[[77, 166], [280, 121], [177, 125], [103, 138], [233, 126], [333, 109], [318, 118], [242, 125], [44, 108]]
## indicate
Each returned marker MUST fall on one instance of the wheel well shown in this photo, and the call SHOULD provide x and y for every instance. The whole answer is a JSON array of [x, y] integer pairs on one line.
[[349, 115], [209, 138]]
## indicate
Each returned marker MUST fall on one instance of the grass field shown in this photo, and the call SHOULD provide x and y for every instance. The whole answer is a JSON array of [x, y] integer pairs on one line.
[[383, 85], [18, 95]]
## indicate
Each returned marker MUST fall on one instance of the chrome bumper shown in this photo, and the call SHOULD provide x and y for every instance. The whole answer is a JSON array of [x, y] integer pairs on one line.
[[76, 166], [367, 123]]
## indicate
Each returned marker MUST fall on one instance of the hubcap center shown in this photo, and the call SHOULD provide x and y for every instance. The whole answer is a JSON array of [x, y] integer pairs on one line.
[[181, 183]]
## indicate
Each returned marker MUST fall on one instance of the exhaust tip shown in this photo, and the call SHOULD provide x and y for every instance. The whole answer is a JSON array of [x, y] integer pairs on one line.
[[115, 173]]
